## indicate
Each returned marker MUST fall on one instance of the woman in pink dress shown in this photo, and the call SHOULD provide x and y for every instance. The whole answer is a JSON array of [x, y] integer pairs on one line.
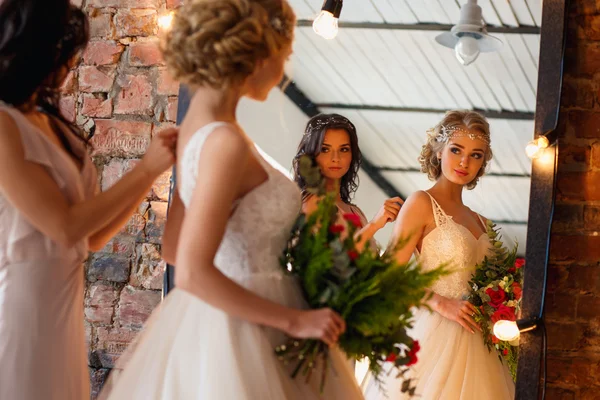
[[50, 211]]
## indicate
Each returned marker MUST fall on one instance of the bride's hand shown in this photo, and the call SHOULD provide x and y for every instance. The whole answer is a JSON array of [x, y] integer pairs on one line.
[[460, 311], [388, 212], [323, 324]]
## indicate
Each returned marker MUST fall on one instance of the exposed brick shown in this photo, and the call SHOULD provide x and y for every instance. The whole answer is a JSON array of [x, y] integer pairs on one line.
[[96, 79], [583, 59], [135, 22], [136, 97], [100, 303], [587, 307], [595, 155], [584, 124], [123, 244], [561, 306], [98, 107], [162, 186], [149, 269], [114, 171], [68, 85], [174, 3], [112, 342], [136, 305], [97, 379], [568, 218], [579, 185], [68, 106], [124, 3], [574, 158], [583, 279], [591, 217], [171, 110], [102, 52], [557, 277], [581, 248], [142, 54], [565, 336], [155, 226], [100, 25], [558, 393], [121, 138], [577, 93], [166, 84], [108, 267]]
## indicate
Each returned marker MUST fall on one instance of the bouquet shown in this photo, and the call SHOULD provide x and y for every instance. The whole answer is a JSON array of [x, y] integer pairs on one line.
[[372, 292], [496, 288]]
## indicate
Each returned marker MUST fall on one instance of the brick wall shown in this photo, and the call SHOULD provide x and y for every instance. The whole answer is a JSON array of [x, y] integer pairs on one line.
[[573, 299], [122, 92]]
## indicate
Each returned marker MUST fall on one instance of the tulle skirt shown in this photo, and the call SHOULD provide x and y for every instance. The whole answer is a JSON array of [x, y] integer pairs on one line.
[[453, 364], [191, 350]]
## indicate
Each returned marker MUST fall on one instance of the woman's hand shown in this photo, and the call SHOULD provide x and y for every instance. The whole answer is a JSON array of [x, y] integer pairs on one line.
[[460, 311], [323, 324], [388, 212], [161, 152]]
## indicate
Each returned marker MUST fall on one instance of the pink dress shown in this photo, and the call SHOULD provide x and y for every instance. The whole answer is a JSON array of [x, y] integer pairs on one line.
[[42, 340]]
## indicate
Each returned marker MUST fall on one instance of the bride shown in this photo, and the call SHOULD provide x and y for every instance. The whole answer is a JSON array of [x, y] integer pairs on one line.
[[214, 335], [453, 362]]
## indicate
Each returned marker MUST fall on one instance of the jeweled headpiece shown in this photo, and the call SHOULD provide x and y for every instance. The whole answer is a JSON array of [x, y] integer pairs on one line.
[[447, 132]]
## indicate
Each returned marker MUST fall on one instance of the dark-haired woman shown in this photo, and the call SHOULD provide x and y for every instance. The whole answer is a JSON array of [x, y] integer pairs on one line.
[[332, 141], [50, 212]]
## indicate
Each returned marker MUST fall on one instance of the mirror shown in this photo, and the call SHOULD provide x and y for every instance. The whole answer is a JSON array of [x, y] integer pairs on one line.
[[388, 75]]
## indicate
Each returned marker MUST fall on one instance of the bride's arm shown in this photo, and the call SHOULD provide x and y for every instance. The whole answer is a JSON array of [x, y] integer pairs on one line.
[[172, 229], [415, 215], [224, 158]]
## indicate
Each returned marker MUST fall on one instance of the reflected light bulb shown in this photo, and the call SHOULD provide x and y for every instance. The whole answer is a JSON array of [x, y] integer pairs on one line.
[[326, 25], [535, 148], [506, 330], [165, 21], [466, 50]]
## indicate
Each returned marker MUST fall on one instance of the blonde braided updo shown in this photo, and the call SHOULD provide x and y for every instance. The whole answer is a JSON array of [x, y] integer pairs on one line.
[[220, 42]]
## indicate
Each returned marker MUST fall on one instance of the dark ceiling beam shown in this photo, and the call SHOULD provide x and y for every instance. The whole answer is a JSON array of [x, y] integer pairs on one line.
[[425, 27], [504, 114], [410, 170], [310, 109]]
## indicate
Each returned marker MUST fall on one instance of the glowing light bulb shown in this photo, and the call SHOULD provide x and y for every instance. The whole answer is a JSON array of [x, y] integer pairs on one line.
[[326, 25], [506, 330], [165, 21], [535, 148], [466, 50]]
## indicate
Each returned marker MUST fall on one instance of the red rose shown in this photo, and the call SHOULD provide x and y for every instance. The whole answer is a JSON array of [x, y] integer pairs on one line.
[[495, 340], [505, 352], [519, 263], [497, 297], [336, 228], [353, 219], [412, 354], [391, 357], [352, 254], [512, 270], [416, 347], [503, 312], [517, 290]]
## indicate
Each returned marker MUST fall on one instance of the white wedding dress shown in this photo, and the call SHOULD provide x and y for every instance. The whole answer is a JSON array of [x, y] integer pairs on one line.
[[191, 350], [453, 364]]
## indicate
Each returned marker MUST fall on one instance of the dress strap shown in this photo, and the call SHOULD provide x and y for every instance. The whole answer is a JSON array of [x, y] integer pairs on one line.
[[439, 215], [483, 224]]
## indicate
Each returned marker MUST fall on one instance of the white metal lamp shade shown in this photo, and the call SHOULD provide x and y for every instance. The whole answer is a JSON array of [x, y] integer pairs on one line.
[[469, 37]]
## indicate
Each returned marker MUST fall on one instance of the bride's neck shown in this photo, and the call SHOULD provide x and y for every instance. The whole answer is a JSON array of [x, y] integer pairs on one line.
[[449, 190], [220, 104]]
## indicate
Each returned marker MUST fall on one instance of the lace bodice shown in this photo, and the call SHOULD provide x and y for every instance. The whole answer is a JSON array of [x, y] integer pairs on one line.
[[450, 242], [258, 229]]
